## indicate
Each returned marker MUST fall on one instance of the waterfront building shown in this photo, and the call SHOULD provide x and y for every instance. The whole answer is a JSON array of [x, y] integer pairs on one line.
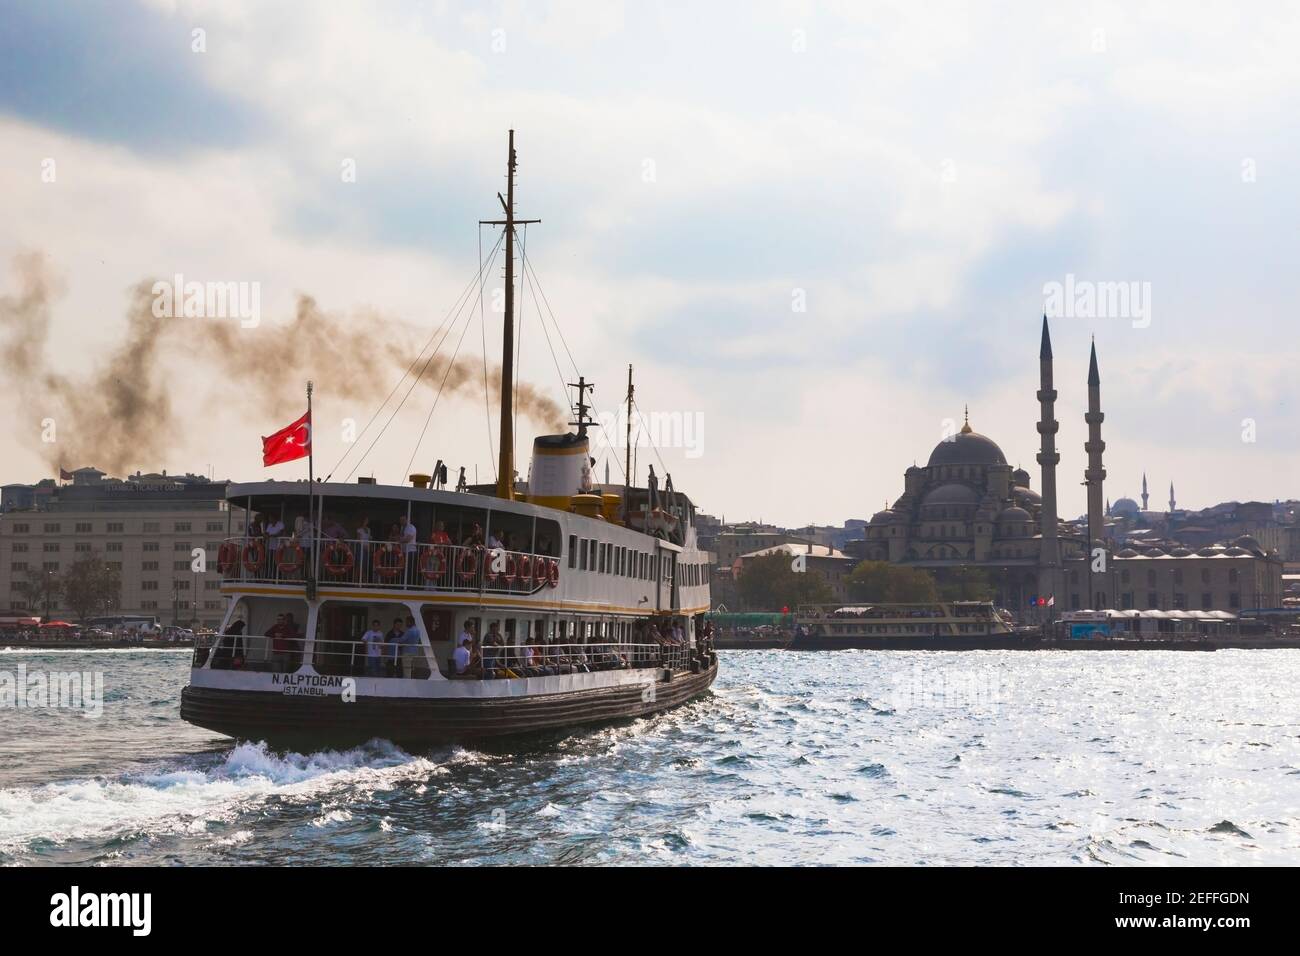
[[145, 526]]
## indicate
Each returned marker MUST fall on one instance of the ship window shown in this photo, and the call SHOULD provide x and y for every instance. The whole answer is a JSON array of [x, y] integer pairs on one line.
[[582, 563], [573, 550], [602, 555]]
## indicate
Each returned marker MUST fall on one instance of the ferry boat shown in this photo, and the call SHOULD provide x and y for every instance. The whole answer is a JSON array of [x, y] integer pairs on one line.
[[526, 606], [948, 626]]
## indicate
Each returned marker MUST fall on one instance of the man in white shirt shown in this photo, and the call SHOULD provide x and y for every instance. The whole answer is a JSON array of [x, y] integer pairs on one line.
[[373, 640], [274, 531], [460, 657], [408, 548]]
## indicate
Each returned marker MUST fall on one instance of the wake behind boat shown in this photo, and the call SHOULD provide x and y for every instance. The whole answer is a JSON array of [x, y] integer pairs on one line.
[[488, 611]]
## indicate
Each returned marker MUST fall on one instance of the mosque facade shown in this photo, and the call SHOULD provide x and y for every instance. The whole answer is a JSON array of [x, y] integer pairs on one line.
[[967, 507]]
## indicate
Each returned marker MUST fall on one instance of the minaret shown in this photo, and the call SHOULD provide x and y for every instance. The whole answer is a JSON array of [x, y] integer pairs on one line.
[[1049, 558], [1173, 505], [1144, 491], [1094, 476]]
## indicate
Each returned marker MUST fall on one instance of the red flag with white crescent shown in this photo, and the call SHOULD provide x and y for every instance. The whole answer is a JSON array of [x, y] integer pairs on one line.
[[289, 443]]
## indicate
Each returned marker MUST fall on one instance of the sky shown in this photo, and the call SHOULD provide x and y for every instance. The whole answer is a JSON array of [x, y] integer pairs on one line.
[[818, 231]]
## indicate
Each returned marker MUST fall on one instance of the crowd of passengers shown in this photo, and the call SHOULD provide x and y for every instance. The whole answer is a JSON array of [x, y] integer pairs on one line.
[[363, 541], [399, 652], [492, 657]]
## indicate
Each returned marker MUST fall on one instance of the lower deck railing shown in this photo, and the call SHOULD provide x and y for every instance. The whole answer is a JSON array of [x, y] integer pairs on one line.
[[490, 661]]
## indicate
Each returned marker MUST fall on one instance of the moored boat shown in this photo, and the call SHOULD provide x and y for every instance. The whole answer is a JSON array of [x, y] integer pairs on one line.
[[952, 625]]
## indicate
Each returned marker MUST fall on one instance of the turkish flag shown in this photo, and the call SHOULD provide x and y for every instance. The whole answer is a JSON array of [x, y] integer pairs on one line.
[[289, 443]]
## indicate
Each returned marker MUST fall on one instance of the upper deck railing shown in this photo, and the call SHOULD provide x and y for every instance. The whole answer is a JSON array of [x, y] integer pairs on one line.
[[387, 564]]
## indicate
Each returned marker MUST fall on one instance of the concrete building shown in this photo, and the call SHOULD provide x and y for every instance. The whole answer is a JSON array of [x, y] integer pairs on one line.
[[833, 565], [730, 545], [145, 526]]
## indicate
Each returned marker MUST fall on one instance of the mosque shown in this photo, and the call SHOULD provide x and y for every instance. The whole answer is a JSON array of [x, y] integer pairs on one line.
[[967, 507]]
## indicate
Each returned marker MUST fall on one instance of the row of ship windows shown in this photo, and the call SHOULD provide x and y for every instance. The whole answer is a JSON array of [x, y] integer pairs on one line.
[[588, 554], [119, 527]]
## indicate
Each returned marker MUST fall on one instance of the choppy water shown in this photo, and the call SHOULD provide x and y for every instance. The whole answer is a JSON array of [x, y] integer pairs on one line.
[[848, 757]]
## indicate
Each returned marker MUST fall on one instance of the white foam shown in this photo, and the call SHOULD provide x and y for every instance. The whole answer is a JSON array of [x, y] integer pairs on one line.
[[187, 798]]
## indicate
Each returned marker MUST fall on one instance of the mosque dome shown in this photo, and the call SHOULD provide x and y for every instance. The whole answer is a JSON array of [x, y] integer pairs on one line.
[[952, 493], [967, 448], [1125, 507], [1014, 513]]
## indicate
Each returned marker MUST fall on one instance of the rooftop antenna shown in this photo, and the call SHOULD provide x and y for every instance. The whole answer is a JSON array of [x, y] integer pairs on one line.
[[584, 419]]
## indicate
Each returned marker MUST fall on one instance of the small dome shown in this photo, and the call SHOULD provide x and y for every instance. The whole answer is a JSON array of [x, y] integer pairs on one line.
[[1126, 553], [1180, 553], [952, 493], [882, 517], [1014, 513], [1248, 542], [1125, 507], [1155, 552], [1026, 494], [1209, 551], [1235, 552], [1020, 477]]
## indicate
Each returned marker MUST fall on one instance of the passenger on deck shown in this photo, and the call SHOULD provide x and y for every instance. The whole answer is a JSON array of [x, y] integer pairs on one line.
[[274, 538], [306, 535], [373, 640], [408, 549], [334, 530], [440, 535], [494, 654], [475, 537], [411, 649], [282, 634], [393, 645], [362, 535], [462, 656]]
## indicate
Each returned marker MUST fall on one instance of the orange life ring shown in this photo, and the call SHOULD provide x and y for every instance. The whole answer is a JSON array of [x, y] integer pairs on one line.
[[283, 559], [467, 563], [434, 563], [553, 573], [526, 570], [253, 561], [228, 557], [390, 569], [338, 558], [511, 572]]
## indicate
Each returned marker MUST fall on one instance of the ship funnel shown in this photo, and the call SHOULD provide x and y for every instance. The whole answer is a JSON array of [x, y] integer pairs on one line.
[[561, 469]]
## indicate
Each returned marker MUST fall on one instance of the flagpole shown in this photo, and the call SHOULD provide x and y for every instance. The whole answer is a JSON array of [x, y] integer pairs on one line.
[[311, 503]]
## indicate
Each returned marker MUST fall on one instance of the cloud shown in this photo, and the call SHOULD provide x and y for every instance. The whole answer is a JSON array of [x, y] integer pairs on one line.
[[917, 174]]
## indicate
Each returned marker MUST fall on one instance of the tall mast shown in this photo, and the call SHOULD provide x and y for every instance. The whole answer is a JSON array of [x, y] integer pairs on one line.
[[627, 470], [506, 463]]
